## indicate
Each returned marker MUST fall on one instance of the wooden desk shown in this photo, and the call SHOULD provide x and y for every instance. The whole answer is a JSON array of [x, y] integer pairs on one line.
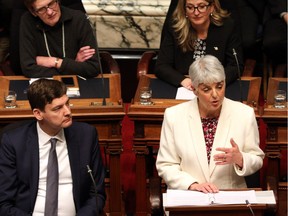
[[221, 210], [258, 209], [107, 119], [148, 122], [276, 141]]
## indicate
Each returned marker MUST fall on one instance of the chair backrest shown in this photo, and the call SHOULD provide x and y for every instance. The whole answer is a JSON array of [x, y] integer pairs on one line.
[[275, 83], [148, 59], [109, 64], [146, 63]]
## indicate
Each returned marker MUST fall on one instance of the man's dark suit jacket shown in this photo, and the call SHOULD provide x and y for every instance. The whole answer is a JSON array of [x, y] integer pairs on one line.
[[19, 169]]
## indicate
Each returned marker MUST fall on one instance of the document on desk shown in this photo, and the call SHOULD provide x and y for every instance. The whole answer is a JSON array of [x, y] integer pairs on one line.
[[191, 198], [184, 94]]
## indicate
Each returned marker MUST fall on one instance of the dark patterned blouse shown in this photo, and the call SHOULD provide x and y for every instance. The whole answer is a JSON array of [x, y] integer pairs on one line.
[[199, 49], [209, 126]]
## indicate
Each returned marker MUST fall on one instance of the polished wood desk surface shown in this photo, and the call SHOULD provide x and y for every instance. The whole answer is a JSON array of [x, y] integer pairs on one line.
[[107, 119], [221, 210], [79, 106], [235, 210], [251, 88]]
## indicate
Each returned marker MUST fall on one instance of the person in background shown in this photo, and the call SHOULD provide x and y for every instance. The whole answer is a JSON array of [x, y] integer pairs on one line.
[[197, 28], [24, 163], [18, 9], [275, 35], [5, 17], [55, 40], [205, 144], [248, 15]]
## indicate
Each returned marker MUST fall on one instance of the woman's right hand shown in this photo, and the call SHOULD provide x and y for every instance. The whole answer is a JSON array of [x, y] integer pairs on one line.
[[187, 83], [204, 187]]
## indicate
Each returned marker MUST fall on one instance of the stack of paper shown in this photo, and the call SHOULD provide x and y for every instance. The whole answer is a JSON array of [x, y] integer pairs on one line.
[[190, 198]]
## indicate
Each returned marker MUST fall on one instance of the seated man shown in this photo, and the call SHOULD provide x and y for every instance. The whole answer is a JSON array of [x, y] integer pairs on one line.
[[26, 153], [55, 40]]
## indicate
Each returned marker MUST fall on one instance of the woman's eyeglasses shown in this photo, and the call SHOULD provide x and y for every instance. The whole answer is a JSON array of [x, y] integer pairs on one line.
[[200, 8], [51, 5]]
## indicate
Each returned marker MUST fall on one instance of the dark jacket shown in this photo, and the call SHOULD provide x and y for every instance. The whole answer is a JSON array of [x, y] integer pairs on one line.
[[172, 64], [78, 33], [19, 169]]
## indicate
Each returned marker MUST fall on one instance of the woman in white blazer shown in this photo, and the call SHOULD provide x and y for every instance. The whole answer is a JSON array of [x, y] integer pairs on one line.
[[210, 142]]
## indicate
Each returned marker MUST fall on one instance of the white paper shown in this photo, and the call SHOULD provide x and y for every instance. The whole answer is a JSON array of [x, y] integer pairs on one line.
[[190, 198], [34, 79], [184, 94], [265, 197], [73, 92]]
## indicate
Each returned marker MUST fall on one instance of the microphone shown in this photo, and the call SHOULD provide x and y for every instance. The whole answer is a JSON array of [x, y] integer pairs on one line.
[[100, 65], [238, 71], [95, 188], [249, 206]]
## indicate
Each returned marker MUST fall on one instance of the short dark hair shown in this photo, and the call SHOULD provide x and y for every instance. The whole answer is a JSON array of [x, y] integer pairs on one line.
[[44, 91], [29, 3]]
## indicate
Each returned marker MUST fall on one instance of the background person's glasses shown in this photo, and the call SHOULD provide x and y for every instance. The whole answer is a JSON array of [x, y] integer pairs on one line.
[[51, 5], [200, 8]]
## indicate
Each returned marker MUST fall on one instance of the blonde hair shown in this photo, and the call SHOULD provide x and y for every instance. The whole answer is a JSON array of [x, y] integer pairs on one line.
[[185, 33]]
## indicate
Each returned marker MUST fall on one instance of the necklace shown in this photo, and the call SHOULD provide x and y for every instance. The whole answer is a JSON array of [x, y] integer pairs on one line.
[[63, 42]]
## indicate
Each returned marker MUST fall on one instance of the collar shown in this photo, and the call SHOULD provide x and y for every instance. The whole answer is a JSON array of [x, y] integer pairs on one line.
[[44, 138]]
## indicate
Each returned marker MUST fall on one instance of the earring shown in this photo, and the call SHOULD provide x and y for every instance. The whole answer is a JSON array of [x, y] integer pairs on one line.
[[211, 14], [186, 16]]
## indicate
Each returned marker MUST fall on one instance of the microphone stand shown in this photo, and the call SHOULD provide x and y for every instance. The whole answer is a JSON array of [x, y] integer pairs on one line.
[[249, 206], [95, 188], [99, 59], [239, 75]]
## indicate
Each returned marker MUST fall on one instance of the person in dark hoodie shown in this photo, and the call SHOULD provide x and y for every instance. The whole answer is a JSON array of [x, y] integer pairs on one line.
[[18, 9], [55, 40], [5, 17]]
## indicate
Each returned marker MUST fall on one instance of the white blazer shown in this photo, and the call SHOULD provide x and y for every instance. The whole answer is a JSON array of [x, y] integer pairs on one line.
[[182, 157]]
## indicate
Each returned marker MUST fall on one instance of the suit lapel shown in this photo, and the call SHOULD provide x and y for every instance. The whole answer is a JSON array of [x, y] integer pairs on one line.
[[33, 149], [198, 139], [74, 159], [221, 138]]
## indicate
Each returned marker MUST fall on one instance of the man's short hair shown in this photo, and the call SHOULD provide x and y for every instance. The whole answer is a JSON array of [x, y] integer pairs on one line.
[[44, 91]]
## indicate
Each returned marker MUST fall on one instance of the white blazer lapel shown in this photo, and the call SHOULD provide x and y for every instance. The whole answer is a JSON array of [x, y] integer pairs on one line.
[[221, 138], [198, 140]]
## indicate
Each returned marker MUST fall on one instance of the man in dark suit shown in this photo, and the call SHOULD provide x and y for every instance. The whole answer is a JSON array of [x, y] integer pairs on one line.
[[24, 161]]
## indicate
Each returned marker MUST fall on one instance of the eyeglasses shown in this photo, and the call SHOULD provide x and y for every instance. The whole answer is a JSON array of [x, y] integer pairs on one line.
[[200, 8], [51, 5]]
